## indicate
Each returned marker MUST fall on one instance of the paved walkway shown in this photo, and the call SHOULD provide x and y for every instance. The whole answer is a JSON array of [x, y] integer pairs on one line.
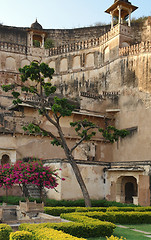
[[147, 234]]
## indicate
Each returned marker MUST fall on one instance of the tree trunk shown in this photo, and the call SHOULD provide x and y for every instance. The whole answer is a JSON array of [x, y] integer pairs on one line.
[[80, 180], [75, 168]]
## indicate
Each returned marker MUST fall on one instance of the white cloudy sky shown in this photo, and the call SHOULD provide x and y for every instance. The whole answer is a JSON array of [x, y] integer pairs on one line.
[[61, 13]]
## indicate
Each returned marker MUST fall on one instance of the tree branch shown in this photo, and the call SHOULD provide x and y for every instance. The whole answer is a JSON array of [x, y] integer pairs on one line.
[[77, 144], [49, 133]]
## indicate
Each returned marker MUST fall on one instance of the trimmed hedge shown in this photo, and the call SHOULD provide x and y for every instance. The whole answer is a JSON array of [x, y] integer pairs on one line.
[[115, 238], [5, 231], [21, 235], [56, 211], [14, 200], [39, 231], [114, 217], [87, 228], [129, 209]]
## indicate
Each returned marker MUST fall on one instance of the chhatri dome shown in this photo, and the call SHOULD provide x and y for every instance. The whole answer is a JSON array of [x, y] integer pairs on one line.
[[36, 25], [122, 1]]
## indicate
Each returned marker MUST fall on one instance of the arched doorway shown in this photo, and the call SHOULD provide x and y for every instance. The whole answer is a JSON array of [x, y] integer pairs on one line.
[[126, 189], [129, 192], [5, 159]]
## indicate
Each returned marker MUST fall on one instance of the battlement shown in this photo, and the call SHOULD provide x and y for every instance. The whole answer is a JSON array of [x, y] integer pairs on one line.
[[142, 47], [81, 45], [94, 42]]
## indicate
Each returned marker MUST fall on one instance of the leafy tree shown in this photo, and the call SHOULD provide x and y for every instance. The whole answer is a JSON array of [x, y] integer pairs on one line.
[[42, 90], [36, 43], [49, 43], [24, 173]]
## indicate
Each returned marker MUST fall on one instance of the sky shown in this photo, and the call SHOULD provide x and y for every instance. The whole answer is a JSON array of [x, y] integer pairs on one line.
[[61, 14]]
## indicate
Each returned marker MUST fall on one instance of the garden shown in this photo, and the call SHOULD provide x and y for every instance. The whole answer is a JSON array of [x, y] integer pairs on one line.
[[103, 221]]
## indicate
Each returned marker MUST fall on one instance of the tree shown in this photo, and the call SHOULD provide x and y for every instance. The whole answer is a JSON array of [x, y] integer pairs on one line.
[[49, 43], [42, 91], [24, 173]]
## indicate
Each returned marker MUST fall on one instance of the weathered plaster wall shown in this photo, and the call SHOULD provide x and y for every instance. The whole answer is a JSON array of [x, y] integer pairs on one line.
[[69, 189]]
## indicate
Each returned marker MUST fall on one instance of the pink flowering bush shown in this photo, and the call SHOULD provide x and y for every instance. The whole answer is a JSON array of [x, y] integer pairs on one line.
[[32, 172]]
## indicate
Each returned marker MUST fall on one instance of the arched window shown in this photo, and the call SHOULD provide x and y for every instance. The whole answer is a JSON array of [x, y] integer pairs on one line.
[[5, 159], [106, 54]]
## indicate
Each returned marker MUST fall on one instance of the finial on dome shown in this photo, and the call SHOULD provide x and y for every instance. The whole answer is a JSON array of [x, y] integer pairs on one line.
[[36, 25]]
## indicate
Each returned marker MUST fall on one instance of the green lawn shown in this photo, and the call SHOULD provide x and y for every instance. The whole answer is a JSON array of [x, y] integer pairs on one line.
[[128, 233]]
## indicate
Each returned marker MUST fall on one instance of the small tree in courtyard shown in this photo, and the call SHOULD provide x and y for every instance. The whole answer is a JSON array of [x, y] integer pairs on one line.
[[33, 83], [24, 173]]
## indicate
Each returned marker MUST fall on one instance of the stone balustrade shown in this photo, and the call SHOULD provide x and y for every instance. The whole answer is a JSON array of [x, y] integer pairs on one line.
[[90, 43], [142, 47], [102, 96], [11, 47]]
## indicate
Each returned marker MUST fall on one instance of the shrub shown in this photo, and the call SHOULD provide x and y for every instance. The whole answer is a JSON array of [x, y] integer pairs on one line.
[[43, 231], [115, 238], [93, 227], [21, 235], [5, 231], [120, 217], [86, 228], [49, 43], [56, 211]]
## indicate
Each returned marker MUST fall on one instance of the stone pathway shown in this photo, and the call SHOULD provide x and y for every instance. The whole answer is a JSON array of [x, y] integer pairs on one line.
[[147, 234]]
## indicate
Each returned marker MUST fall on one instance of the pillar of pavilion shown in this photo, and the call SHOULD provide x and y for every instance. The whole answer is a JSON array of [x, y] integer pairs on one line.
[[121, 9]]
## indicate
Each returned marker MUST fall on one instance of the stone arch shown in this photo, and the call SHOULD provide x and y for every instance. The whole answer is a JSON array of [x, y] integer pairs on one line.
[[126, 189], [52, 64], [106, 54], [76, 62], [10, 63], [24, 62], [63, 65], [89, 60], [125, 44], [5, 159]]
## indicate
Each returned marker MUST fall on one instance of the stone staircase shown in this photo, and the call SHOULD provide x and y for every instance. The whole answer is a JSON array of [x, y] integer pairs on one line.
[[34, 191]]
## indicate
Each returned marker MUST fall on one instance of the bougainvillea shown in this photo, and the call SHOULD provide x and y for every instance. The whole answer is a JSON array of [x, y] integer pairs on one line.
[[32, 172]]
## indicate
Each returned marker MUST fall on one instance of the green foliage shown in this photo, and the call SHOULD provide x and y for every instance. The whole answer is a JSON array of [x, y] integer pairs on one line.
[[62, 107], [5, 231], [33, 71], [21, 235], [49, 43], [14, 200], [45, 231], [82, 128], [36, 43], [139, 20], [56, 211], [112, 134], [8, 87], [88, 228], [55, 142], [32, 128], [117, 217], [49, 89], [93, 227]]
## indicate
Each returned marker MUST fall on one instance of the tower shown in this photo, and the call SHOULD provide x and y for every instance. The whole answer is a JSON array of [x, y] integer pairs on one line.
[[121, 9]]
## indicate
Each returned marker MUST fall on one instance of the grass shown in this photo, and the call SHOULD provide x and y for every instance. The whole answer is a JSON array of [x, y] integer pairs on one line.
[[128, 233]]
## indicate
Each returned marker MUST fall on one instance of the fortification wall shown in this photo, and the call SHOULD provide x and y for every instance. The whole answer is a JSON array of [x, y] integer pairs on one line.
[[67, 36], [13, 35]]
